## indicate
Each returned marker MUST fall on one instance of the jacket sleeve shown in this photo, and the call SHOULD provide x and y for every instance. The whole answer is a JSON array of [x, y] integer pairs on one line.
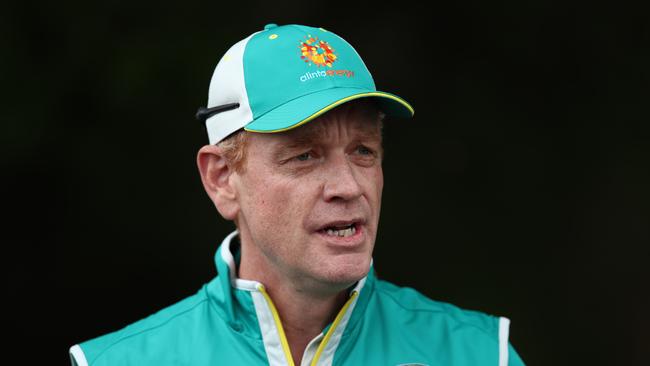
[[77, 356], [507, 354]]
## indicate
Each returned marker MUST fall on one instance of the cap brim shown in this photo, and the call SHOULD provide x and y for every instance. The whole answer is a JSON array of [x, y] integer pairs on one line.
[[308, 107]]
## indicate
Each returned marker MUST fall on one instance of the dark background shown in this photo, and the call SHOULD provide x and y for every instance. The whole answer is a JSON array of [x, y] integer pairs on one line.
[[520, 188]]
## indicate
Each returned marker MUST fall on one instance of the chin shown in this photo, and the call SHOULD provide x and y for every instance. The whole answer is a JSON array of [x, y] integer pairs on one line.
[[347, 272]]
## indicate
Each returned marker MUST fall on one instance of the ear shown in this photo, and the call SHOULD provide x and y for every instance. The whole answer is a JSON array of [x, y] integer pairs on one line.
[[217, 178]]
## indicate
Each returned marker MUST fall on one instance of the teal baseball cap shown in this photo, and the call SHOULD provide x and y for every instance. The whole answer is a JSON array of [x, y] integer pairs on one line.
[[285, 76]]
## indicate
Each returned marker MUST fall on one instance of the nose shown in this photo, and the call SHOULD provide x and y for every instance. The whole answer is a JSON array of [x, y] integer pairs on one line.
[[342, 181]]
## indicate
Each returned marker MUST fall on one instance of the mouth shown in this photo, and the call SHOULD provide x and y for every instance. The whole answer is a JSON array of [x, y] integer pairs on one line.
[[342, 229]]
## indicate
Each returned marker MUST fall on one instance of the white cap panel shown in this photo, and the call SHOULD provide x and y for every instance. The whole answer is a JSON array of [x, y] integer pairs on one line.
[[228, 86]]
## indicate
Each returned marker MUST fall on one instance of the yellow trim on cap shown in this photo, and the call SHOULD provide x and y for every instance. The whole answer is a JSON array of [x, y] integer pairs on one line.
[[336, 104]]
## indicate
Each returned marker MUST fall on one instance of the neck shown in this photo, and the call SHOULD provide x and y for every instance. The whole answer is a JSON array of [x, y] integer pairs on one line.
[[304, 311], [304, 317]]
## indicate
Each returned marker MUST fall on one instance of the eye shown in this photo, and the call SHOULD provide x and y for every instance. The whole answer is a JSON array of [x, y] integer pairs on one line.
[[304, 156], [362, 150]]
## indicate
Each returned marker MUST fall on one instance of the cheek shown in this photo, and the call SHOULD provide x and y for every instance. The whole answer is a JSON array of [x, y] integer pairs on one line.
[[273, 202], [380, 180], [375, 183]]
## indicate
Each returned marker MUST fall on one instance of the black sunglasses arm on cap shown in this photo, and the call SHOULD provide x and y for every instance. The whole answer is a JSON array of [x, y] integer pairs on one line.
[[204, 113]]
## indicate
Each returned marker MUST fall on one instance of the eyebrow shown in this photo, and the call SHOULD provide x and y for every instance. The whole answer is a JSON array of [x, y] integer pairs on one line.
[[284, 147], [313, 135]]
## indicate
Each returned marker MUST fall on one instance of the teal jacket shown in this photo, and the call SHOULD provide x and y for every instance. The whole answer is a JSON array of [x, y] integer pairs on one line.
[[231, 321]]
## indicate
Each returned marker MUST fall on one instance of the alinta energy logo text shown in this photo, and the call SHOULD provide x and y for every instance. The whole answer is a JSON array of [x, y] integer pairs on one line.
[[318, 52]]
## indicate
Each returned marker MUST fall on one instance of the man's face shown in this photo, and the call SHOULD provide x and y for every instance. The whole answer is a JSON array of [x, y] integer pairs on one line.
[[310, 199]]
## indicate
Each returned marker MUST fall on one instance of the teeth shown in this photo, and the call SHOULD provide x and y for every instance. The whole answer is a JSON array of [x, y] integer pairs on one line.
[[343, 232]]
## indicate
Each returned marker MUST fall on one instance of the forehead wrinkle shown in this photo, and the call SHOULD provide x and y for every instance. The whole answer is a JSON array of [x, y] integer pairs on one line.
[[294, 139], [320, 132], [306, 135], [361, 126]]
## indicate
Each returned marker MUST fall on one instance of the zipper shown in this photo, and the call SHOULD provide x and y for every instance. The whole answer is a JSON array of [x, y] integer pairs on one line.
[[278, 324], [336, 322], [283, 336]]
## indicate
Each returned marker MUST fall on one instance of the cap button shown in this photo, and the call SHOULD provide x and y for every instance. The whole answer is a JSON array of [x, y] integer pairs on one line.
[[270, 26]]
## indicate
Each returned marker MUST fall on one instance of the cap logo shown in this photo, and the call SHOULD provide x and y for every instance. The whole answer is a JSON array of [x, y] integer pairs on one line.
[[317, 52]]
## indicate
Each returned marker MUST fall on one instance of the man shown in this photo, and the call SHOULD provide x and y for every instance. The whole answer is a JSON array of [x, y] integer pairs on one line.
[[294, 124]]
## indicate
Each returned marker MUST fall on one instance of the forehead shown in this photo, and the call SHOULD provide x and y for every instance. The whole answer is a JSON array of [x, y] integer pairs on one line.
[[324, 128]]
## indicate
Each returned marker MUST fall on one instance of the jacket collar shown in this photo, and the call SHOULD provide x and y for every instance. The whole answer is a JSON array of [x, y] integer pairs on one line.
[[239, 311]]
